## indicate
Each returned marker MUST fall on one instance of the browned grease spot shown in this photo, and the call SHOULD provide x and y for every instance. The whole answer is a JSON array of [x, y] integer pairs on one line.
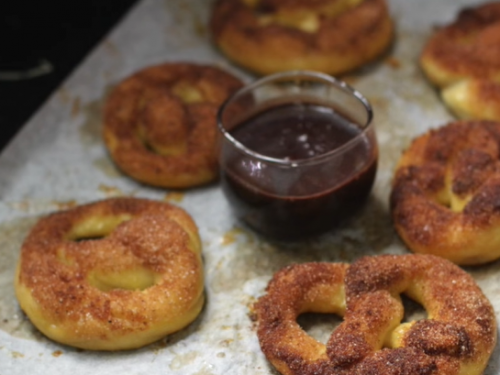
[[174, 196], [226, 343], [57, 353], [75, 108], [64, 96], [20, 206], [230, 236], [189, 27], [158, 346], [107, 166], [111, 191], [90, 130], [393, 62], [183, 360], [65, 205], [111, 47], [17, 355], [204, 371], [200, 27], [12, 319]]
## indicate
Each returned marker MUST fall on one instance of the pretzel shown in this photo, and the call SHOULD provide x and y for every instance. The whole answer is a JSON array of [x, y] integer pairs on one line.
[[332, 36], [457, 337], [111, 275], [474, 99], [445, 193], [160, 123], [463, 60]]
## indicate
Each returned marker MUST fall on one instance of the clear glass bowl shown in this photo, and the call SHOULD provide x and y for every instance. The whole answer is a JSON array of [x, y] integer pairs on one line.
[[298, 153]]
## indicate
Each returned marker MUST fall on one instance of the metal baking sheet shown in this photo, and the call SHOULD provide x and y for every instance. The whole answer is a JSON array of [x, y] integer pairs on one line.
[[59, 160]]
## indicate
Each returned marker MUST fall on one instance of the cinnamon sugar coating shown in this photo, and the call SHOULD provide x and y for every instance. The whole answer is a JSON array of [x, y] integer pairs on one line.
[[332, 36], [445, 193], [463, 58], [111, 275], [457, 337], [160, 123]]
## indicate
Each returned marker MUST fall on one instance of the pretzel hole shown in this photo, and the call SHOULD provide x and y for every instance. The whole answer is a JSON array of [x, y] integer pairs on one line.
[[162, 125], [95, 227], [138, 278], [162, 150], [319, 326], [413, 311], [322, 310]]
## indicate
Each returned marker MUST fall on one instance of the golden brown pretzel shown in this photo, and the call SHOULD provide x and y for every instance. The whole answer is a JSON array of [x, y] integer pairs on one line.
[[457, 337], [463, 59], [333, 36], [474, 99], [140, 282], [160, 123], [446, 190]]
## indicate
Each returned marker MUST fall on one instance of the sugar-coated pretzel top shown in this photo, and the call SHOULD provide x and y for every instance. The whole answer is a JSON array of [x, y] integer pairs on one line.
[[469, 47], [445, 193], [457, 337], [332, 36], [113, 274], [463, 59], [160, 123]]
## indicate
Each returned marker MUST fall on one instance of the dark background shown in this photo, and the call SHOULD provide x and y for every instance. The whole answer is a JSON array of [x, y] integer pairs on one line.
[[60, 32]]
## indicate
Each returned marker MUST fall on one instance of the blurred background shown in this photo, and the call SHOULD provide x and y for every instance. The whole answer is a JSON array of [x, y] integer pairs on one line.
[[41, 42]]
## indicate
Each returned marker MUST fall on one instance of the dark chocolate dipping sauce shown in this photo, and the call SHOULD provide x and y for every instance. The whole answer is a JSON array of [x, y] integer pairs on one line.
[[318, 189]]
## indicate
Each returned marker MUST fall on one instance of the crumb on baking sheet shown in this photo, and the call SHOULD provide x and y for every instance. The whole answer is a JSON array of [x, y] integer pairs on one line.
[[64, 205], [17, 355], [111, 191], [174, 196], [393, 62], [23, 205], [75, 108], [232, 235]]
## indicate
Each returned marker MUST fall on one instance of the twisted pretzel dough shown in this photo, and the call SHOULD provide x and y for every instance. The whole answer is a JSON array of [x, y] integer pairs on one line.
[[446, 190], [457, 337], [463, 60], [160, 123], [333, 36], [140, 282]]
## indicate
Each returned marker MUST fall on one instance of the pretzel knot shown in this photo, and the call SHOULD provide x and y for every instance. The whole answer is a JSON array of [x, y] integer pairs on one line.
[[333, 36], [111, 275], [446, 192], [463, 60], [457, 337], [160, 123]]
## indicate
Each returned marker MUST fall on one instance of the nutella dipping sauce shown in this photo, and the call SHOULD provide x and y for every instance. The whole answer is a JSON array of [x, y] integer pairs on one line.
[[296, 166]]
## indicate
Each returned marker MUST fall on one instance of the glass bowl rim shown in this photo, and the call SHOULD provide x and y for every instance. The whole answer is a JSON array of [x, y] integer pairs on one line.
[[290, 75]]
